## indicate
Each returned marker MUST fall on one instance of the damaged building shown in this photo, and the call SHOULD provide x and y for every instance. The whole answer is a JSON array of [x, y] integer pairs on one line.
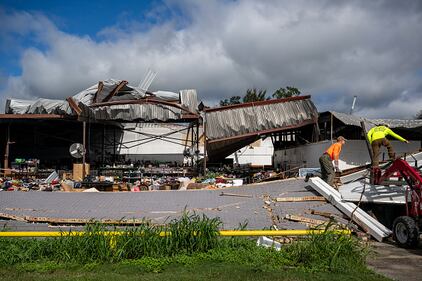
[[119, 123], [122, 128]]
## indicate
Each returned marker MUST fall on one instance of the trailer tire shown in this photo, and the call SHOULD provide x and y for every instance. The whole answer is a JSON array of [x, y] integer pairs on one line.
[[406, 232]]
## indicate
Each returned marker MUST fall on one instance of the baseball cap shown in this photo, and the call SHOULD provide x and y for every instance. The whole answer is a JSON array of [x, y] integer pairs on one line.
[[340, 138]]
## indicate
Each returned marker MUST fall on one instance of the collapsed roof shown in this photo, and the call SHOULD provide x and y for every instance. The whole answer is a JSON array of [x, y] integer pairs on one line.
[[352, 120], [227, 128], [114, 100], [231, 127]]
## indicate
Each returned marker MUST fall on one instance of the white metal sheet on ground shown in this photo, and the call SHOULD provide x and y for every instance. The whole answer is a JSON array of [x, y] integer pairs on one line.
[[354, 184], [372, 193], [368, 223]]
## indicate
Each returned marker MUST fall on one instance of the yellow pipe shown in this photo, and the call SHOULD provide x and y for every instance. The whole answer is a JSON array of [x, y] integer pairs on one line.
[[291, 232], [221, 233]]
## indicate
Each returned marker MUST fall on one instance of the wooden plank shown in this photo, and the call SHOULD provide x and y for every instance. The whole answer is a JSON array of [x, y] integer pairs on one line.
[[115, 90], [304, 219], [99, 89], [74, 106], [322, 214], [300, 199], [235, 194], [32, 116], [83, 220], [12, 217], [71, 220]]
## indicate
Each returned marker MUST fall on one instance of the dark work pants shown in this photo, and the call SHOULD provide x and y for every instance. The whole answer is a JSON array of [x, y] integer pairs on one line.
[[327, 169], [376, 150]]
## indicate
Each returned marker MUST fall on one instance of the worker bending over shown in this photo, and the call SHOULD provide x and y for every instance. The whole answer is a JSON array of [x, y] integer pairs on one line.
[[326, 161], [377, 138]]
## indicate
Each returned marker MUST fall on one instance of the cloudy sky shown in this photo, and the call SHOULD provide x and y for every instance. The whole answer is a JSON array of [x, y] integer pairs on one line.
[[332, 50]]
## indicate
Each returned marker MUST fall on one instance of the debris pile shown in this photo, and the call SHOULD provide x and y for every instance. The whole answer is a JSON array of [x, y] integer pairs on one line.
[[145, 182]]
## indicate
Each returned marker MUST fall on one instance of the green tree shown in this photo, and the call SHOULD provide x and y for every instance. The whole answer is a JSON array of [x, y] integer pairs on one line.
[[286, 93], [255, 95], [232, 100]]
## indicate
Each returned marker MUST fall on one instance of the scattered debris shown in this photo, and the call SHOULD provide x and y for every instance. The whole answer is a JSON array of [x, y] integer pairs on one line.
[[92, 189], [266, 242]]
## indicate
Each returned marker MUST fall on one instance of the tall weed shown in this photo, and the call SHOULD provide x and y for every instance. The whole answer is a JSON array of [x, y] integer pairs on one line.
[[192, 238]]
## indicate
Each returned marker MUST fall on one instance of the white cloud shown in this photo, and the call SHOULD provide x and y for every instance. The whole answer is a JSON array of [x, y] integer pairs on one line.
[[331, 50]]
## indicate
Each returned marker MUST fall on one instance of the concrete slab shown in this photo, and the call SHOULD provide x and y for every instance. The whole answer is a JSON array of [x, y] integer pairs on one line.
[[396, 263], [161, 206]]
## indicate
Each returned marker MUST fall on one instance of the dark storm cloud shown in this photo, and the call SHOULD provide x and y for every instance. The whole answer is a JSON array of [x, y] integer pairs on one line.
[[332, 50]]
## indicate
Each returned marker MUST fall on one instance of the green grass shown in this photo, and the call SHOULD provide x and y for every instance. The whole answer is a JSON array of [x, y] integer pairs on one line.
[[193, 251], [203, 271]]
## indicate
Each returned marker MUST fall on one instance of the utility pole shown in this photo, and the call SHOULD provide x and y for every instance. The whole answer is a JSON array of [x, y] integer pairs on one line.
[[6, 152], [205, 142], [84, 148]]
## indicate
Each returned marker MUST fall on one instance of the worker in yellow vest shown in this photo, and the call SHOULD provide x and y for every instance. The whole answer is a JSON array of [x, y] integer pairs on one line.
[[377, 138]]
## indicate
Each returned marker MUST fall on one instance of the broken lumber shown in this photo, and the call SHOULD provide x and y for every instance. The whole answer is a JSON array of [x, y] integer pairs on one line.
[[322, 214], [53, 220], [300, 199], [12, 217], [235, 194], [304, 219]]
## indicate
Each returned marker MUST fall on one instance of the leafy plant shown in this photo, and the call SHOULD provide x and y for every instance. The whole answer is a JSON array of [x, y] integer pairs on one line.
[[286, 93]]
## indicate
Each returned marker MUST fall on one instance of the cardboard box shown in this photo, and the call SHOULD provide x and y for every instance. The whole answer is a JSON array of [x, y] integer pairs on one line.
[[77, 171]]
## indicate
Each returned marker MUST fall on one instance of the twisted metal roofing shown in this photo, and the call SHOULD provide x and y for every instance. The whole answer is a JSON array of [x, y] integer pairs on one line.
[[352, 120], [259, 117], [113, 100]]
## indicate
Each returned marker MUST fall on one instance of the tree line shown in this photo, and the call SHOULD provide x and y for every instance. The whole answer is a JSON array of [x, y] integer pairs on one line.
[[254, 94]]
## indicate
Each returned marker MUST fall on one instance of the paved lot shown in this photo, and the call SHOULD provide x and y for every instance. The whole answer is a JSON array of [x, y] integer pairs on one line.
[[160, 206], [397, 263]]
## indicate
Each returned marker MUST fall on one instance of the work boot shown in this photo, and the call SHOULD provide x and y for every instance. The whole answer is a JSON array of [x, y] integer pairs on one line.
[[308, 175]]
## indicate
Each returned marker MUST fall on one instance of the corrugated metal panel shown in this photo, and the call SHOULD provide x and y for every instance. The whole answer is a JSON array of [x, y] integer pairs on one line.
[[124, 112], [39, 106], [126, 93], [397, 123], [240, 121], [86, 96], [131, 112], [17, 106], [348, 119], [352, 120], [189, 99], [221, 149], [166, 95]]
